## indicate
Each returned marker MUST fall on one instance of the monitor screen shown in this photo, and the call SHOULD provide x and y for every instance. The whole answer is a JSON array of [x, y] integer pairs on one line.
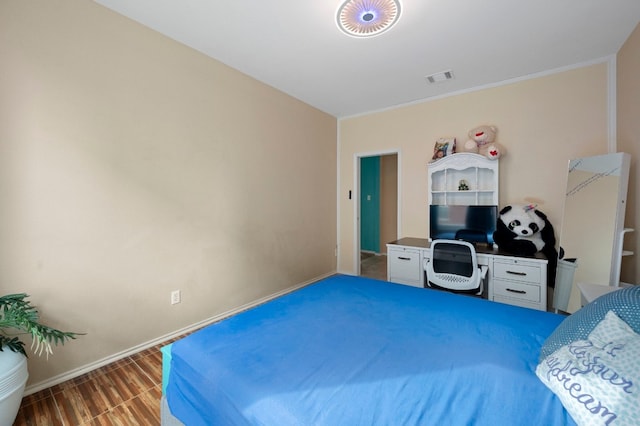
[[474, 224]]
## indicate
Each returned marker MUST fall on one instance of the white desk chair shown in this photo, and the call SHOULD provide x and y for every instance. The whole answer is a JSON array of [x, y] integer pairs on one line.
[[454, 267]]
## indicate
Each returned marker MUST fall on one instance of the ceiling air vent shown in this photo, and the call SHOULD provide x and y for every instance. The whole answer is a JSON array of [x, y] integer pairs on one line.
[[440, 76]]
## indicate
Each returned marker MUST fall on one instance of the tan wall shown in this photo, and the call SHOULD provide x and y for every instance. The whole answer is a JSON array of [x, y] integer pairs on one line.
[[131, 166], [388, 200], [628, 131], [543, 122]]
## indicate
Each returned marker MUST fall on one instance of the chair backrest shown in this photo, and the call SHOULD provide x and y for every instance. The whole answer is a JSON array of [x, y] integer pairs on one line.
[[454, 266]]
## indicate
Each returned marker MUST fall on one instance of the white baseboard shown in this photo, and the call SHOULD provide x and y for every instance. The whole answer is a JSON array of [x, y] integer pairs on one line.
[[56, 380]]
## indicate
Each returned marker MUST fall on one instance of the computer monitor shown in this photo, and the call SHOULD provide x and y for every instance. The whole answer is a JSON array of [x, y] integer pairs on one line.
[[475, 224]]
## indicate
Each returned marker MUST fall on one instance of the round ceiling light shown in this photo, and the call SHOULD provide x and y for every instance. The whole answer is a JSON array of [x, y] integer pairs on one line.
[[366, 18]]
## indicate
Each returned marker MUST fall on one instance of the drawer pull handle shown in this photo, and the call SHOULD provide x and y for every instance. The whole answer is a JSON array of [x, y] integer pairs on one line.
[[516, 291], [522, 274], [404, 258]]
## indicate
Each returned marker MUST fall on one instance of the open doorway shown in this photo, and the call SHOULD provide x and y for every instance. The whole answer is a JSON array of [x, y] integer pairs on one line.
[[377, 218]]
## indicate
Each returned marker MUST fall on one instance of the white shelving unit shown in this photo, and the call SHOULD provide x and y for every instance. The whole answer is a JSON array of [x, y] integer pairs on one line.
[[620, 254], [479, 174], [622, 251]]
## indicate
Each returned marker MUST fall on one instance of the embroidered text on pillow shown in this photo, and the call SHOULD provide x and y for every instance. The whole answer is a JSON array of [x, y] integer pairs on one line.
[[574, 388], [587, 362], [597, 378]]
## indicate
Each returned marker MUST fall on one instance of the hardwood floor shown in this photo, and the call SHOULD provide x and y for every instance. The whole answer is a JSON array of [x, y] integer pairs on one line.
[[125, 393]]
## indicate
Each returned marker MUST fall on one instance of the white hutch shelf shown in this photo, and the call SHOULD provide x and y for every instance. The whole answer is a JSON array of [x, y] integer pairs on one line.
[[479, 174]]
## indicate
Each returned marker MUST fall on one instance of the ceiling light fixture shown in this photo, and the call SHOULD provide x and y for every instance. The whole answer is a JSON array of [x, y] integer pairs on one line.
[[366, 18]]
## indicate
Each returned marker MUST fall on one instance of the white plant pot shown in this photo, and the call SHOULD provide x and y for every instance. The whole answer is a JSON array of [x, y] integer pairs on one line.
[[13, 378]]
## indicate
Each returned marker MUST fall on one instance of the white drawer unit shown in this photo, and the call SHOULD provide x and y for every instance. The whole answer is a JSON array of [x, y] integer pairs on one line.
[[517, 270], [520, 282], [514, 280], [404, 266], [528, 293]]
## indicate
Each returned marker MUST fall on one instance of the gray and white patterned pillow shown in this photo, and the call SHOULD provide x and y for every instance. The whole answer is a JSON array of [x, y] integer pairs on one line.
[[598, 379], [624, 302]]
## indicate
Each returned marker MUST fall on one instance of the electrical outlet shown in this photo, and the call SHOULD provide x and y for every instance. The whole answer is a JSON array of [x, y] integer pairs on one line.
[[175, 297]]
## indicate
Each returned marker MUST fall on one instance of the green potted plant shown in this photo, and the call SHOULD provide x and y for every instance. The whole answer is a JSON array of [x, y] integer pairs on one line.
[[18, 317]]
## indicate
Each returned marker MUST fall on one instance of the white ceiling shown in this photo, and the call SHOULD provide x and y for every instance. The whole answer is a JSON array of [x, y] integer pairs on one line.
[[296, 46]]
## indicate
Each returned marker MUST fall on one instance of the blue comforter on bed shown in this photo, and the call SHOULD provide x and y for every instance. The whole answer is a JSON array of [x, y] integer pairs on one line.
[[354, 351]]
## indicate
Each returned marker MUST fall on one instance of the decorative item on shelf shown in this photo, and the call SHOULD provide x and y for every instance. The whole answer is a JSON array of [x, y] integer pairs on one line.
[[482, 141], [443, 147], [19, 317], [463, 185]]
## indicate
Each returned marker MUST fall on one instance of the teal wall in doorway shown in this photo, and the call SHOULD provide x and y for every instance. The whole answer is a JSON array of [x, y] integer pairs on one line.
[[370, 204]]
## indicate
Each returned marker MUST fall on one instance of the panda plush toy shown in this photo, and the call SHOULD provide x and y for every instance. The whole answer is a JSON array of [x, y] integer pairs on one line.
[[523, 230]]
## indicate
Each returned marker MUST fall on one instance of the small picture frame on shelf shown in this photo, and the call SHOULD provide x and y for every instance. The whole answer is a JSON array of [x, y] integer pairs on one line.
[[443, 147]]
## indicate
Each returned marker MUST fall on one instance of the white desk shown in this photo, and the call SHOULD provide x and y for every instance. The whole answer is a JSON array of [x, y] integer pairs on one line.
[[520, 281]]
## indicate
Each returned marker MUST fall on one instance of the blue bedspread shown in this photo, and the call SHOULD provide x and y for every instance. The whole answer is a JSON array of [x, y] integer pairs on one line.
[[355, 351]]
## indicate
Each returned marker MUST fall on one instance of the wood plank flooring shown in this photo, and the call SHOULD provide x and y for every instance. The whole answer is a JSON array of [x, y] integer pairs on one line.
[[124, 393]]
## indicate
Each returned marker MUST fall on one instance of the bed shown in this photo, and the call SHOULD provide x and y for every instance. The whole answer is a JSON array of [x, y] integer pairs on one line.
[[356, 351], [350, 350]]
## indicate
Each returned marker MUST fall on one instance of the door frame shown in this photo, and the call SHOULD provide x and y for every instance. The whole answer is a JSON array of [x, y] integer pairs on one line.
[[356, 197]]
